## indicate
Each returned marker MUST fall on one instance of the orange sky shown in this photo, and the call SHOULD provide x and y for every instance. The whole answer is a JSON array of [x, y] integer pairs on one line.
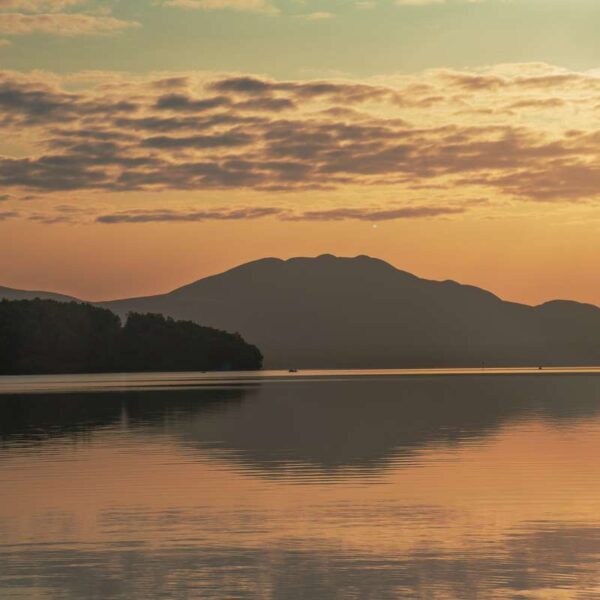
[[521, 259], [122, 174]]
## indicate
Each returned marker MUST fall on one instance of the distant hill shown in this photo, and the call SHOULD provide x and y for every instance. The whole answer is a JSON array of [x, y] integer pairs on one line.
[[12, 294], [330, 312]]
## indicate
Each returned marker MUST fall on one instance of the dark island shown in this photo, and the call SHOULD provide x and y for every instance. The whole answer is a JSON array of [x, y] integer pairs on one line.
[[46, 336]]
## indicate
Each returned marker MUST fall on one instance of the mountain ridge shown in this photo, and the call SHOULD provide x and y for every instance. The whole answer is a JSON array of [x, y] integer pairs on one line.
[[16, 294], [27, 294], [362, 312]]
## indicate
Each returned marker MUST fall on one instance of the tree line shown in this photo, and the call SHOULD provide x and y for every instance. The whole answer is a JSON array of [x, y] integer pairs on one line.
[[46, 336]]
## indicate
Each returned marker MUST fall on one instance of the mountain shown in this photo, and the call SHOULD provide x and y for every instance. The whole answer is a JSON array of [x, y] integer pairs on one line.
[[12, 294], [330, 312]]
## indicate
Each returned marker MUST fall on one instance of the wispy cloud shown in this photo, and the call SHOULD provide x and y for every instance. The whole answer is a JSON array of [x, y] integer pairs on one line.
[[320, 15], [61, 24], [38, 6], [284, 214], [166, 215], [375, 215], [257, 6], [19, 17], [430, 2]]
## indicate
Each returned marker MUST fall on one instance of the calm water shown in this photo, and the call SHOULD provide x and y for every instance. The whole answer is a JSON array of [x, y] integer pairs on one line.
[[314, 486]]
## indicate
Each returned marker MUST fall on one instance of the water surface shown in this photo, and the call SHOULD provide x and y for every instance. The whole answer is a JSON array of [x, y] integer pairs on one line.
[[317, 485]]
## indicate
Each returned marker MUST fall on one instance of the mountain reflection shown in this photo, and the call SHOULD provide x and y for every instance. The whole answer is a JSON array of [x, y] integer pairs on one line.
[[324, 488], [331, 426]]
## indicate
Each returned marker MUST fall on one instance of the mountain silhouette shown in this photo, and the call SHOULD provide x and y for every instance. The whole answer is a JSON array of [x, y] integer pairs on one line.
[[12, 294], [331, 312], [364, 313]]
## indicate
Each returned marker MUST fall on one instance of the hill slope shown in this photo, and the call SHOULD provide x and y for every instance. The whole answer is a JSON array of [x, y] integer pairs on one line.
[[12, 294], [364, 313]]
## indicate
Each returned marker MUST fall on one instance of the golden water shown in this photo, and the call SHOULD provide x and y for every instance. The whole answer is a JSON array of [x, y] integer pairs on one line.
[[312, 485]]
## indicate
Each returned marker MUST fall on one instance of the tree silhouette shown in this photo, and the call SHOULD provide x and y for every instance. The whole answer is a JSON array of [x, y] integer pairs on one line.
[[45, 336]]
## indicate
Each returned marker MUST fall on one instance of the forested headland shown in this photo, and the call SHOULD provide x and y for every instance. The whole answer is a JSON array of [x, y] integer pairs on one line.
[[45, 336]]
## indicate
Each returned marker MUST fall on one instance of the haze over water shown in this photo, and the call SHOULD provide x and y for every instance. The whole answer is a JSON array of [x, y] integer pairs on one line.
[[320, 485]]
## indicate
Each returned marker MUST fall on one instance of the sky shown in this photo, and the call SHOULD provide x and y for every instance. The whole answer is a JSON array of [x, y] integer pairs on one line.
[[145, 144]]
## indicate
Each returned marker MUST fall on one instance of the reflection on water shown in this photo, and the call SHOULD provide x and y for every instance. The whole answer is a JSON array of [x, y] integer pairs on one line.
[[324, 486]]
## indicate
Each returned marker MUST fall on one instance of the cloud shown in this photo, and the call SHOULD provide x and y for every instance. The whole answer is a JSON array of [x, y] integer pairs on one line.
[[61, 24], [250, 213], [181, 102], [198, 141], [62, 214], [162, 216], [8, 215], [345, 92], [27, 101], [20, 17], [243, 85], [429, 2], [374, 215], [319, 16], [418, 2], [257, 6], [38, 6], [522, 131]]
